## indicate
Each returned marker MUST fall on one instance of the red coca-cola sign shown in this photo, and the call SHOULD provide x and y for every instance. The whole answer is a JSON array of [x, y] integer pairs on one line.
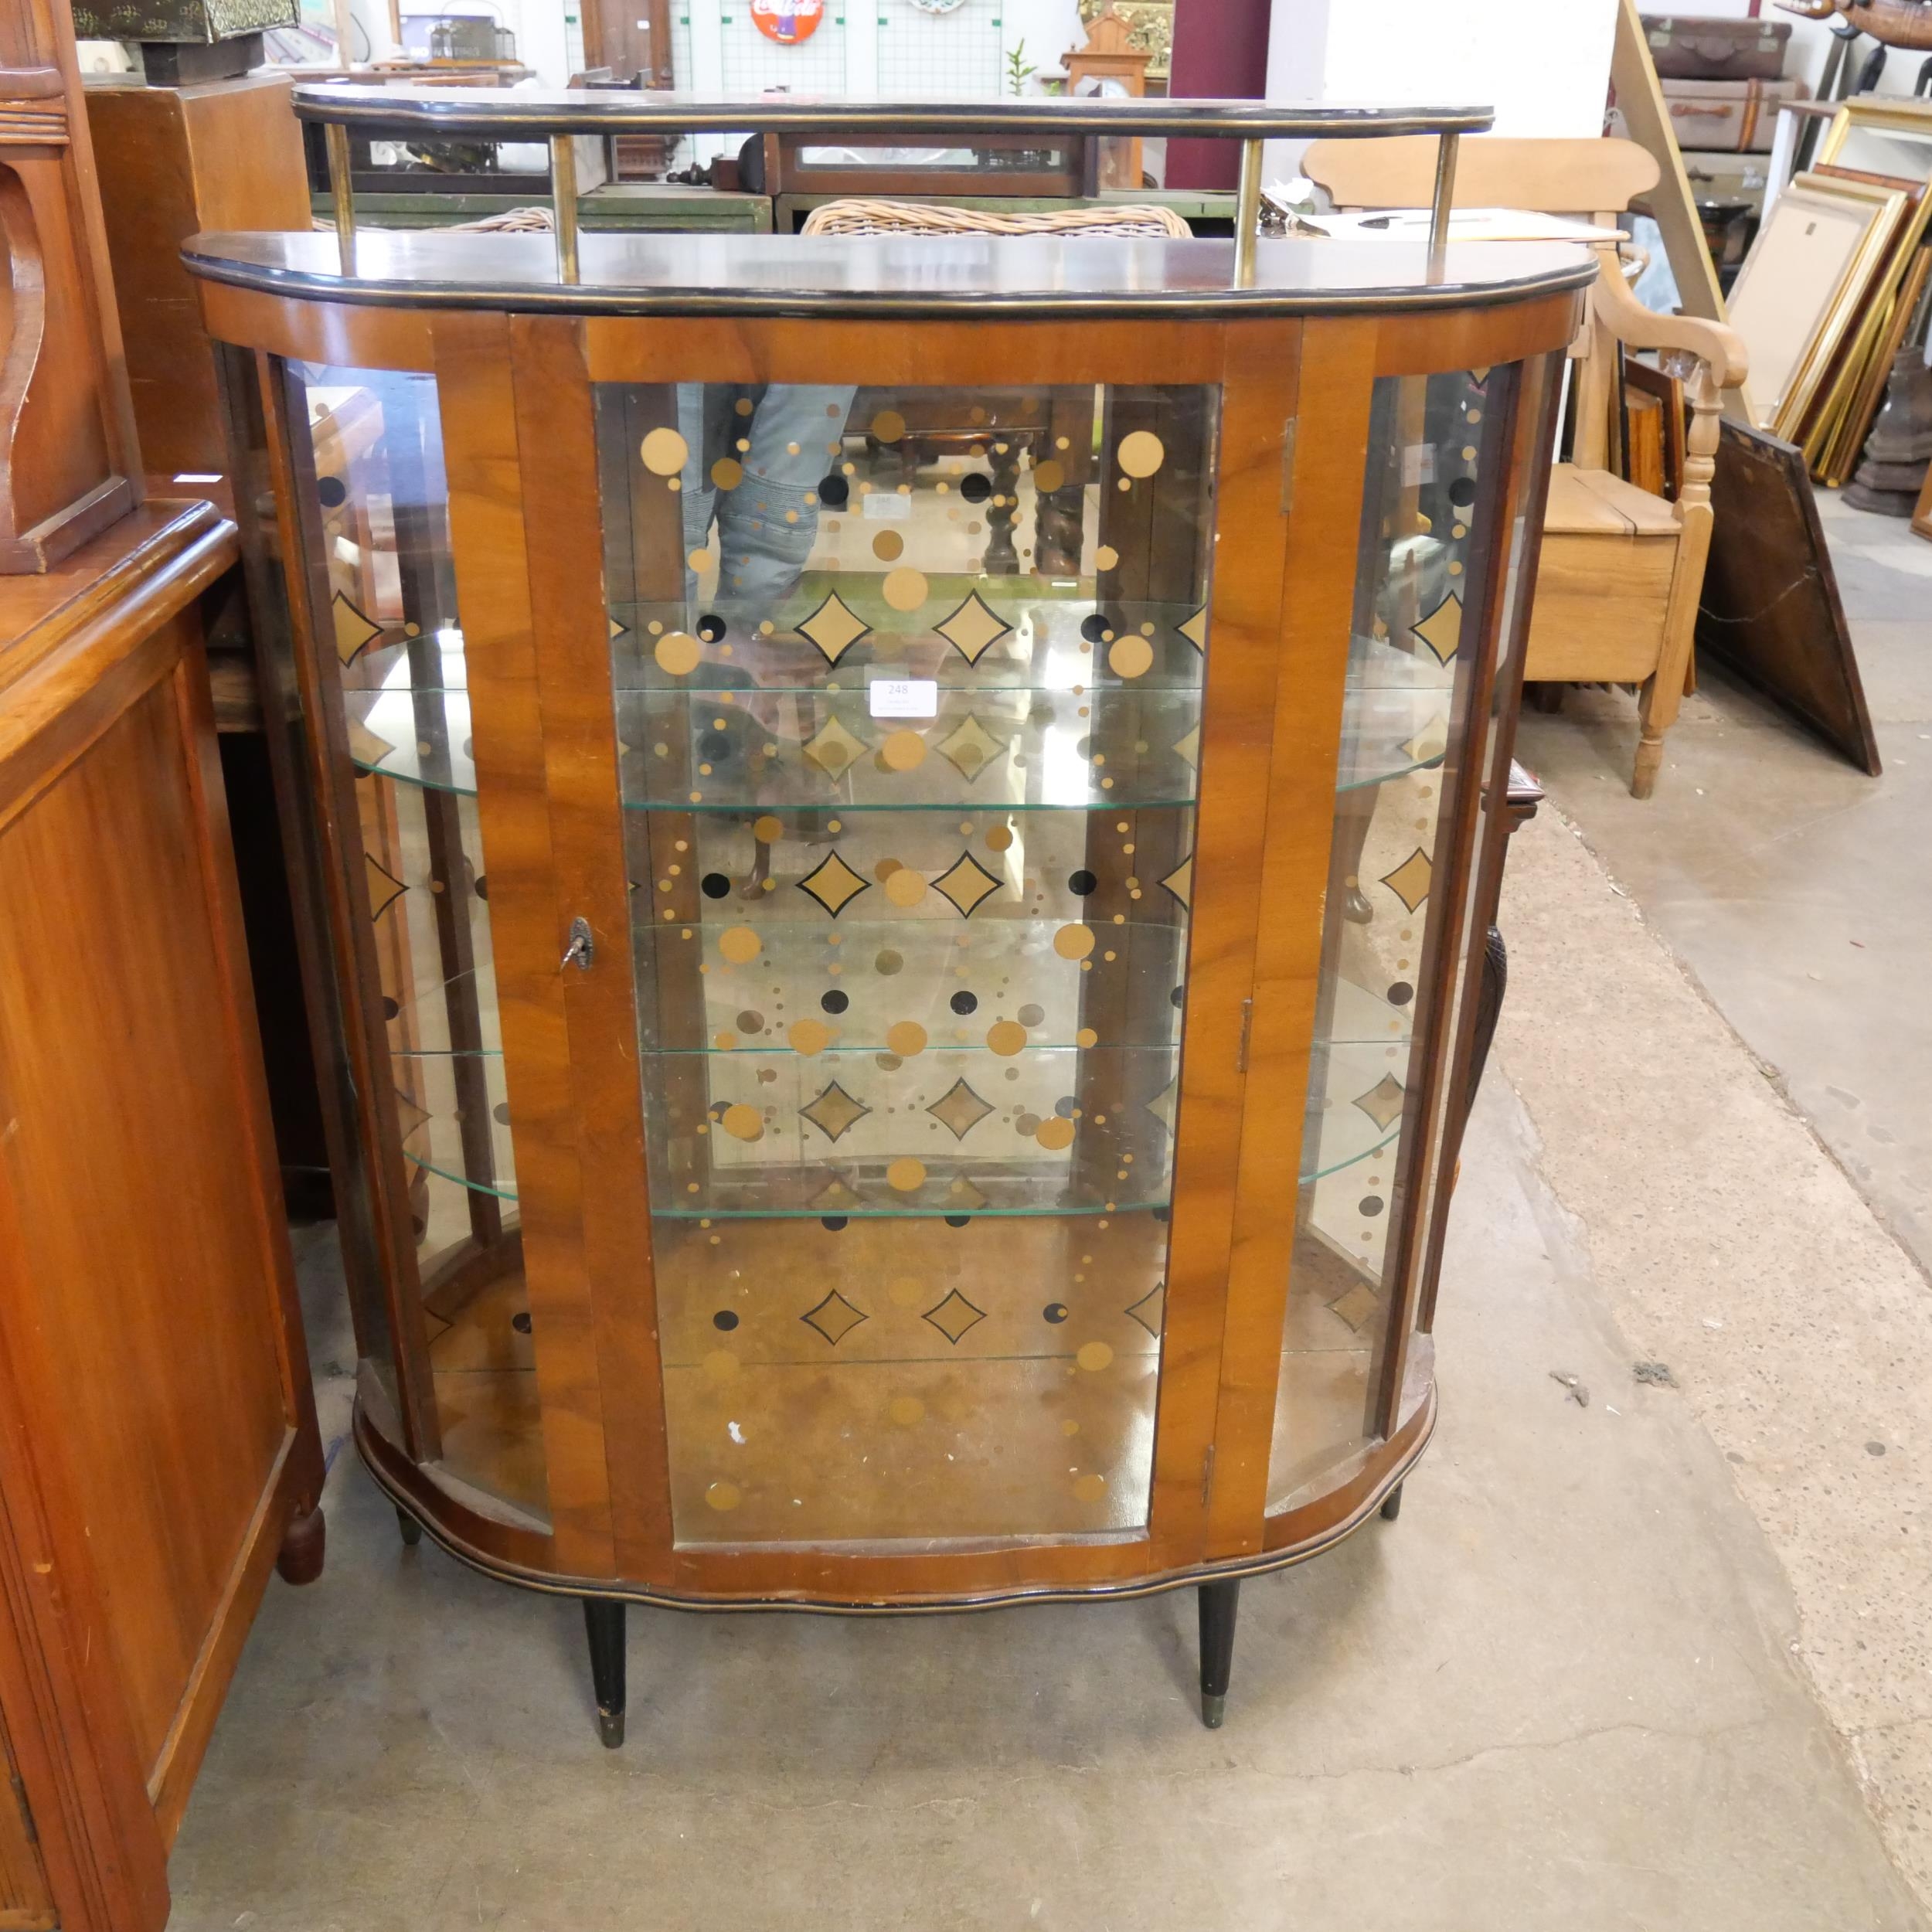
[[788, 22]]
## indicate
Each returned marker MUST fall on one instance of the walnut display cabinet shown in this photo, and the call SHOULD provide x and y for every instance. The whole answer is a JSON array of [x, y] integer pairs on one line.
[[900, 835]]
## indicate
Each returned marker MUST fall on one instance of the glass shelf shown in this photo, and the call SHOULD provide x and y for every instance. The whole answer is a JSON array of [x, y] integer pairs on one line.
[[969, 633]]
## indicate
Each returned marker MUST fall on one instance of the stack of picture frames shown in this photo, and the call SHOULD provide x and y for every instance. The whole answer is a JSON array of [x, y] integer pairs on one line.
[[1835, 284]]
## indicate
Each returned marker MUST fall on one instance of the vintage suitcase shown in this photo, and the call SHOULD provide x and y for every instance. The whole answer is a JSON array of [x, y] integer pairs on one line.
[[1693, 49], [1728, 117]]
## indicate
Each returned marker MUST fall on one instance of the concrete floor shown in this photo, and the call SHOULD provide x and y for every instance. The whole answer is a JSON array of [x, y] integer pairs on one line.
[[1658, 1662]]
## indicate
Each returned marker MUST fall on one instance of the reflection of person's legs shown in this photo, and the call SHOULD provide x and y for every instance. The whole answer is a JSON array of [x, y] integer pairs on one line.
[[767, 521]]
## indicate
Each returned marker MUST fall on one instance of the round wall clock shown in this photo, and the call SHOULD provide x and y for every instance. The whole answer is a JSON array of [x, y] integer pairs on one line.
[[789, 21], [939, 6]]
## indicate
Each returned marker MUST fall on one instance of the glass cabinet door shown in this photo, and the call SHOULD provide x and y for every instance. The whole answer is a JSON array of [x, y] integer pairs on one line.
[[1437, 467], [908, 688]]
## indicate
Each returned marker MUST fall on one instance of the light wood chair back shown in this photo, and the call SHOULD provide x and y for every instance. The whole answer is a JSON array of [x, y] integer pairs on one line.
[[1622, 570], [1492, 171]]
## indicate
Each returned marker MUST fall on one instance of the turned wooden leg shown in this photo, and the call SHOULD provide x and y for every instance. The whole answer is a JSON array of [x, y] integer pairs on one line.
[[603, 1624], [412, 1530], [1392, 1503], [300, 1559], [1218, 1604], [1001, 558]]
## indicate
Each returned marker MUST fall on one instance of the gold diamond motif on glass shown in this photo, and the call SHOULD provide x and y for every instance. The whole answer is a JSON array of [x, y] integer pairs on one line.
[[410, 1118], [355, 632], [1356, 1307], [1180, 881], [833, 883], [1194, 629], [954, 1316], [966, 883], [970, 748], [834, 1112], [365, 747], [834, 1318], [1441, 630], [959, 1110], [1188, 749], [384, 888], [834, 628], [963, 1195], [834, 1197], [1409, 881], [1431, 742], [1149, 1309], [973, 628], [1162, 1105], [1383, 1103], [834, 750]]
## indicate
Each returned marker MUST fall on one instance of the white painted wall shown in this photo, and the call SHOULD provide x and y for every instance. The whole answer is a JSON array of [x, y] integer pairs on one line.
[[1545, 68]]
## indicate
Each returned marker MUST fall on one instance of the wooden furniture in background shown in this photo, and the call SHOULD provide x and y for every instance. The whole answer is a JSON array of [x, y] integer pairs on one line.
[[1622, 569], [631, 39], [158, 1442], [69, 460], [773, 1175], [1108, 65], [1922, 516], [224, 156]]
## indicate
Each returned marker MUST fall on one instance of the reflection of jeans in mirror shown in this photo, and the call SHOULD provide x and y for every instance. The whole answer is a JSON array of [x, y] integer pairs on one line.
[[768, 519]]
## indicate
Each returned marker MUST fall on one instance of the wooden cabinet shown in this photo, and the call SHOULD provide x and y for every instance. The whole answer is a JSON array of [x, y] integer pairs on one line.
[[158, 1439], [903, 871]]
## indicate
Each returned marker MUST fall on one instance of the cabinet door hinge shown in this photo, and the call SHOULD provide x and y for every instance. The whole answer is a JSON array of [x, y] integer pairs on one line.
[[1287, 464], [1247, 1027], [1207, 1476]]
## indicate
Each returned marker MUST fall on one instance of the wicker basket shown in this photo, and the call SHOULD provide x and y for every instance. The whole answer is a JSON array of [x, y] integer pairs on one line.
[[919, 217]]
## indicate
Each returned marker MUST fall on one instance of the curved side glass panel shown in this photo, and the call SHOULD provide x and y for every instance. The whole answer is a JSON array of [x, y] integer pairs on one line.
[[393, 623], [1436, 470]]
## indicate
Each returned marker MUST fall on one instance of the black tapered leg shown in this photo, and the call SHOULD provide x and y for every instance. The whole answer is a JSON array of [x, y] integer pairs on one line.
[[1218, 1604], [412, 1530], [1392, 1503], [603, 1623]]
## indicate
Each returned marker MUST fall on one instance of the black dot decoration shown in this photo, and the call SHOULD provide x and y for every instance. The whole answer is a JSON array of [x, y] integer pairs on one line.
[[714, 747], [1161, 1213], [834, 1002], [711, 628], [390, 1009], [482, 887], [1178, 998], [1055, 1311], [976, 488], [965, 1003], [1401, 993], [1093, 628], [834, 492], [1081, 882], [1370, 1205], [957, 1220], [333, 491], [725, 1319], [501, 1113], [1462, 492], [833, 1223], [714, 885], [520, 1321]]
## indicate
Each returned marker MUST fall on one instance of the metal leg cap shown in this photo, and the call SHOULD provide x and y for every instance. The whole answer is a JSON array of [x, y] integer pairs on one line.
[[1214, 1710], [1392, 1506], [610, 1729], [412, 1530]]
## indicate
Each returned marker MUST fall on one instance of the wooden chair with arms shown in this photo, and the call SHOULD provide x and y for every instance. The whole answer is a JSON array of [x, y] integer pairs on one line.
[[1622, 570]]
